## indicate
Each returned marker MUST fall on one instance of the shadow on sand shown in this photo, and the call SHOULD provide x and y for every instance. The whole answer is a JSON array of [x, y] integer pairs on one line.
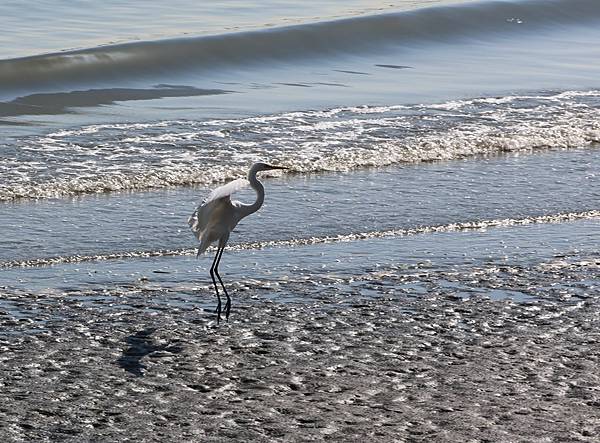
[[140, 345]]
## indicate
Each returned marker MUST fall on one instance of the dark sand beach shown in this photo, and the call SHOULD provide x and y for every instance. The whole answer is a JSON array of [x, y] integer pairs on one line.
[[500, 353]]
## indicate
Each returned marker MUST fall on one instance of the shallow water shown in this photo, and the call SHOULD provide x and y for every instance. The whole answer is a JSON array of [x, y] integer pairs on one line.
[[403, 123], [300, 207]]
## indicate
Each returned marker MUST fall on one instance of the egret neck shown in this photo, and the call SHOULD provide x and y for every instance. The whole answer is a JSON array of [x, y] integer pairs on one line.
[[260, 193]]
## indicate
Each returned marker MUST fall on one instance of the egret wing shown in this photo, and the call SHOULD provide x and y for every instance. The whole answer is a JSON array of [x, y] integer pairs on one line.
[[201, 217], [226, 190]]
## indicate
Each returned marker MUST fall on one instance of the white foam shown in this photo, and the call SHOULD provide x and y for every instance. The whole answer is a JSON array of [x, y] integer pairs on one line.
[[118, 157]]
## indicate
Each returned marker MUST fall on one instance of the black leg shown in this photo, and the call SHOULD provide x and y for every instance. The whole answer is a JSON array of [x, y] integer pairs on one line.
[[212, 275], [228, 303]]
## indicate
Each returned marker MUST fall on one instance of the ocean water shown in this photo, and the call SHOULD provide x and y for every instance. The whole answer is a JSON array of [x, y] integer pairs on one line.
[[419, 135]]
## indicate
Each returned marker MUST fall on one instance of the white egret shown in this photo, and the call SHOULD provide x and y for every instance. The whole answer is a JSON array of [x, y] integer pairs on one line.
[[215, 218]]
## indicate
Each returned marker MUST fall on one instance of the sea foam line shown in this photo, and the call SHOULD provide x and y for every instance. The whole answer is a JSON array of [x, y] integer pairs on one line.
[[341, 238], [181, 153]]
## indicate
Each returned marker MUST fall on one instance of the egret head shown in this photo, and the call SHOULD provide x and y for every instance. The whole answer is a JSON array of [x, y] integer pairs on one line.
[[257, 167]]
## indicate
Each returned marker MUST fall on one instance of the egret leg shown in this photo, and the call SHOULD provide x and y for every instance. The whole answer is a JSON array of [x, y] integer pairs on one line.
[[228, 303], [212, 275]]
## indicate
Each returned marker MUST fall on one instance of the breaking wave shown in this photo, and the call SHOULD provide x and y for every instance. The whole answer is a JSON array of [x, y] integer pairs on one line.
[[141, 156], [352, 35]]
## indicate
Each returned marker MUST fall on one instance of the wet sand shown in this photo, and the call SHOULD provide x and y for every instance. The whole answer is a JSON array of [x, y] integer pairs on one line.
[[498, 353]]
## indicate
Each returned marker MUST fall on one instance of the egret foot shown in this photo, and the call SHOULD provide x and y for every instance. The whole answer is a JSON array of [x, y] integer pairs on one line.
[[227, 309]]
